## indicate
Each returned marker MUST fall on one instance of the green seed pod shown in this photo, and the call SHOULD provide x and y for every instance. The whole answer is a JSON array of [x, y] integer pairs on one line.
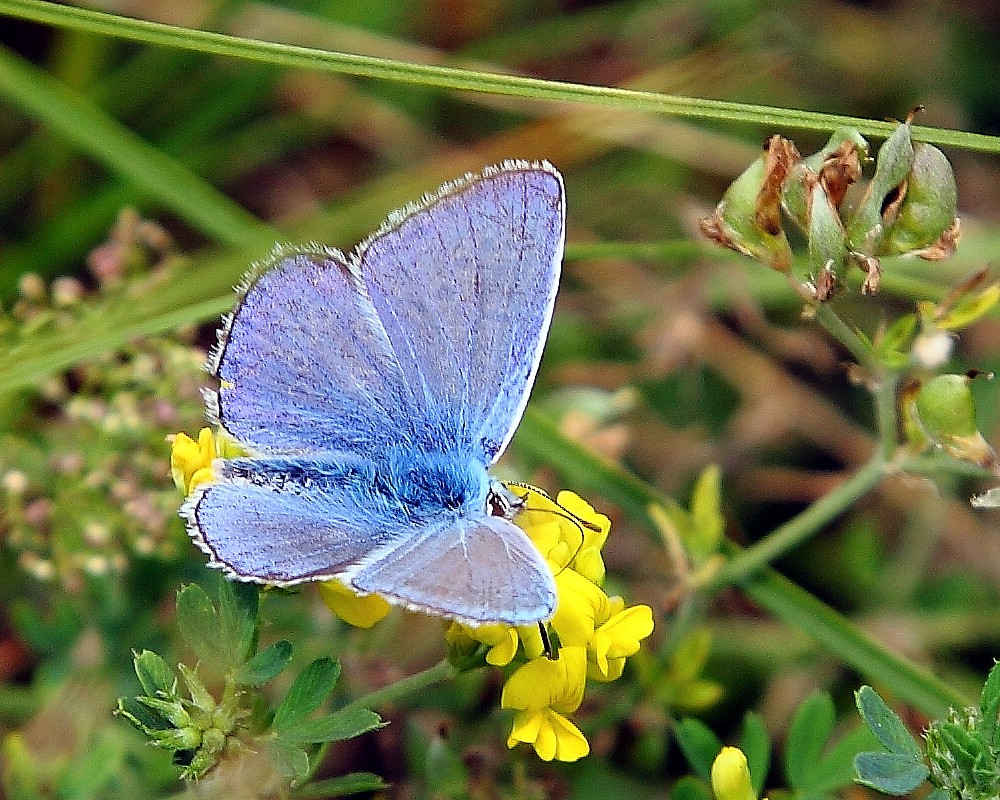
[[748, 218], [867, 226], [929, 208], [827, 243], [837, 140], [946, 411]]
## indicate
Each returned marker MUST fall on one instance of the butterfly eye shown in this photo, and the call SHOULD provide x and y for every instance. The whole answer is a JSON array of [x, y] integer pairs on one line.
[[501, 502]]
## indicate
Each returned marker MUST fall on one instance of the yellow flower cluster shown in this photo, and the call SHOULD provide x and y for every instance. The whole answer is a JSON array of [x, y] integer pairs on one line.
[[592, 634]]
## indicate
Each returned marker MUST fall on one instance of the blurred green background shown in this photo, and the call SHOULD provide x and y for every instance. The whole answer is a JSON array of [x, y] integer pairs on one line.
[[663, 361]]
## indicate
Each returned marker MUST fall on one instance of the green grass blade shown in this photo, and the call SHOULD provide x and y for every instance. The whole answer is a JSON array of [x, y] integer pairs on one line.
[[468, 80]]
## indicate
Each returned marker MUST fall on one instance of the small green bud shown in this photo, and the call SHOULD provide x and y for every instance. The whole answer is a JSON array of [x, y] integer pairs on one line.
[[946, 411], [171, 710], [962, 757], [200, 696], [926, 224], [176, 738]]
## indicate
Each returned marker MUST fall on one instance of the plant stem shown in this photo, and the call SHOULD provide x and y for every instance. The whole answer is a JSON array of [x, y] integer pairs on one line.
[[441, 671], [468, 80], [746, 562], [843, 333]]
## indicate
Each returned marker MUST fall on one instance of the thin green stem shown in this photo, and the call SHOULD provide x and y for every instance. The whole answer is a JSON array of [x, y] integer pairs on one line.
[[442, 671], [797, 530], [887, 413], [469, 80], [832, 323]]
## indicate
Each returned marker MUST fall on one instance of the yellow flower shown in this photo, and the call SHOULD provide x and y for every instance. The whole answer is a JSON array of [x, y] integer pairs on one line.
[[501, 640], [557, 536], [608, 630], [191, 461], [359, 610], [588, 561], [541, 693], [731, 776]]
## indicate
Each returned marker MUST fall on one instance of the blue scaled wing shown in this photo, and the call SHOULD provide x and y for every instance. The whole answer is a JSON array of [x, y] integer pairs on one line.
[[464, 284], [428, 336], [423, 341], [283, 522], [478, 570], [304, 364]]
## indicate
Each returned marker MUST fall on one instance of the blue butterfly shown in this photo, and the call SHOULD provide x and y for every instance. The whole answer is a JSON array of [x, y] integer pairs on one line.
[[372, 390]]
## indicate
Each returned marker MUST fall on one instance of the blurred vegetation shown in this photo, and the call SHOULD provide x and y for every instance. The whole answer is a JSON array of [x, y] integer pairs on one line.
[[137, 182]]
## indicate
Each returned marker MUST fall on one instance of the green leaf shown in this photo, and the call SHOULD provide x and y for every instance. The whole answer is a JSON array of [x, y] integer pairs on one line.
[[332, 727], [153, 673], [239, 620], [265, 665], [890, 773], [989, 705], [699, 744], [289, 759], [939, 794], [141, 716], [690, 788], [355, 783], [810, 728], [199, 624], [756, 746], [836, 769], [884, 723], [307, 693], [707, 524]]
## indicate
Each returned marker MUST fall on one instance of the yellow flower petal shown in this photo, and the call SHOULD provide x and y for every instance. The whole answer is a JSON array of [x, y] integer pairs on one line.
[[526, 727], [361, 611], [548, 683], [557, 537], [551, 734], [626, 629], [571, 744], [581, 607], [190, 459]]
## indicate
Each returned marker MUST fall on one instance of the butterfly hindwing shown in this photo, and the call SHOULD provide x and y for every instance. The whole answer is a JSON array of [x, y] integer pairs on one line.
[[478, 570]]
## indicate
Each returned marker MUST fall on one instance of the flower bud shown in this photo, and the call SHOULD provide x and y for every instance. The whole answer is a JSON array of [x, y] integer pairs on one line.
[[731, 776], [827, 243]]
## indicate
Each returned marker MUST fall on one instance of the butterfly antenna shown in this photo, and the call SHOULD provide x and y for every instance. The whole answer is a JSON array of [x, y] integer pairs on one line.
[[566, 513]]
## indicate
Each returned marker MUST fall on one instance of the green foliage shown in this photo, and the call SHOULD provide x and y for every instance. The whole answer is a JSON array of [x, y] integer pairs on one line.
[[962, 759], [816, 764], [202, 729]]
